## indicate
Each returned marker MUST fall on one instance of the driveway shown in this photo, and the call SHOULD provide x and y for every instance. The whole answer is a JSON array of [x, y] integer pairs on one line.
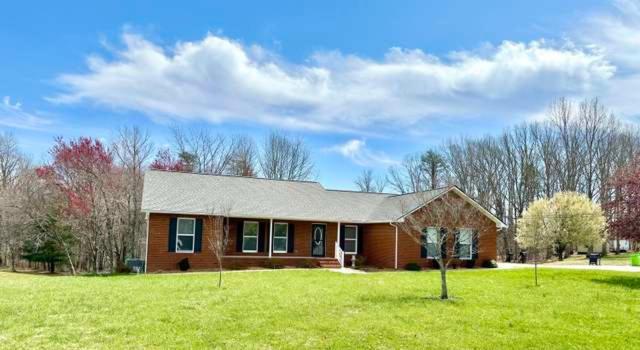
[[507, 266]]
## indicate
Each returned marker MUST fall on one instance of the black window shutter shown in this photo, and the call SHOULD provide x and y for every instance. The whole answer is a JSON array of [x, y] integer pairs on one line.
[[197, 245], [173, 229], [456, 237], [261, 240], [239, 232], [423, 243], [360, 240], [444, 238], [342, 237], [475, 248], [290, 237]]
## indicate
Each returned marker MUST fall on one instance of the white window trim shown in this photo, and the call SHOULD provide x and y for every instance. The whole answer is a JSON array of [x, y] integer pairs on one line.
[[350, 239], [257, 236], [193, 235], [426, 239], [470, 244], [286, 237]]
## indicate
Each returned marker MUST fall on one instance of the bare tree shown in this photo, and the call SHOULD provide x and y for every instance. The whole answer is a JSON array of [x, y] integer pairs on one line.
[[408, 176], [243, 157], [285, 158], [459, 158], [218, 238], [202, 151], [132, 150], [12, 164], [368, 182], [546, 143], [447, 228], [594, 123], [570, 152], [10, 159]]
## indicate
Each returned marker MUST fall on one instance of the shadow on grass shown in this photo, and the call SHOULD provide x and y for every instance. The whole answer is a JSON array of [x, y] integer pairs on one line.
[[407, 299], [622, 281], [33, 273]]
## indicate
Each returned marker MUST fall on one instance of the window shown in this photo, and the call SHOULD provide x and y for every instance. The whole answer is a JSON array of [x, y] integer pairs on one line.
[[465, 243], [280, 237], [351, 239], [432, 235], [185, 235], [250, 237]]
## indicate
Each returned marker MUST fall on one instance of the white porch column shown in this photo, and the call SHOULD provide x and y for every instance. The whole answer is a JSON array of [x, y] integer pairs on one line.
[[338, 235], [270, 236], [396, 252]]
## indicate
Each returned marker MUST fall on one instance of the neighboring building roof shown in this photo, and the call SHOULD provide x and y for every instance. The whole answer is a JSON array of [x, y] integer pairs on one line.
[[200, 194]]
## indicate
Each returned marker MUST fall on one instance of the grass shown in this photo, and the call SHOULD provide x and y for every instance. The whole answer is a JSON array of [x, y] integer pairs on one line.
[[622, 259], [321, 309]]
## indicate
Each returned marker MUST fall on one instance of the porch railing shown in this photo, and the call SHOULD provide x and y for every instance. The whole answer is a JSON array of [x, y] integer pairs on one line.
[[339, 254]]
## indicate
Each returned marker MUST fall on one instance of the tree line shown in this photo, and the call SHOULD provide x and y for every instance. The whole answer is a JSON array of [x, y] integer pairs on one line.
[[82, 208], [578, 147]]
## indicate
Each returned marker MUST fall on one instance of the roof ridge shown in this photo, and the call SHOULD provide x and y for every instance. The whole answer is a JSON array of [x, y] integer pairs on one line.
[[430, 190], [356, 191], [229, 175]]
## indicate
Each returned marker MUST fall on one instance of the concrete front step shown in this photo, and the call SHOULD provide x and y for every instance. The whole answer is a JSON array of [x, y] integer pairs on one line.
[[329, 263]]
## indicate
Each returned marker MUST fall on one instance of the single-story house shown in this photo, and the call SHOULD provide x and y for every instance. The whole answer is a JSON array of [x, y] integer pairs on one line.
[[287, 223]]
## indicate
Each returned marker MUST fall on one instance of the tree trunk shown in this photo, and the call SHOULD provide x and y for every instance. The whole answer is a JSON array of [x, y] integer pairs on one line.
[[561, 249], [535, 268], [444, 293], [66, 251], [13, 263]]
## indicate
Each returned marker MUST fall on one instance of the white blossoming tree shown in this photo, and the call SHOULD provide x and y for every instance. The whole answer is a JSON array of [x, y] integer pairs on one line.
[[568, 218]]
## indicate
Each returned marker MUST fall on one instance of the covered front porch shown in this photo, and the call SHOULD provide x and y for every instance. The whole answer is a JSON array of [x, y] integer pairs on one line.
[[329, 244]]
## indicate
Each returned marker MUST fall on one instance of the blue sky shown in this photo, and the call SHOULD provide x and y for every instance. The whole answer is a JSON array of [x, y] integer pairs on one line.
[[364, 82]]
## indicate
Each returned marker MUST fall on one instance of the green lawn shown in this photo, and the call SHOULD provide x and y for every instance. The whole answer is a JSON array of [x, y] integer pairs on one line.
[[321, 309], [622, 259]]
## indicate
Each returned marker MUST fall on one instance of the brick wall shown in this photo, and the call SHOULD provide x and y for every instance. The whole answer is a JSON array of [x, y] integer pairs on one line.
[[378, 246], [160, 259]]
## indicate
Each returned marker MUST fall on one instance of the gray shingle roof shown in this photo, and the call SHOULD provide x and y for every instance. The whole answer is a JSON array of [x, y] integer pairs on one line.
[[186, 193]]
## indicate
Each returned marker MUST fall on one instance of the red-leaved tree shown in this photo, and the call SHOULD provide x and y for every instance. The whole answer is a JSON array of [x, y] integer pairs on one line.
[[623, 210], [165, 161], [84, 172]]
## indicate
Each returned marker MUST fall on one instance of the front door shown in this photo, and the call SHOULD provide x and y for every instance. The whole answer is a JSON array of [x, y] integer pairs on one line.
[[317, 239]]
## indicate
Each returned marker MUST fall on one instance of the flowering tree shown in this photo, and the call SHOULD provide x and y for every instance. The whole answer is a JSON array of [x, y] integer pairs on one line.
[[83, 171], [623, 210], [568, 218]]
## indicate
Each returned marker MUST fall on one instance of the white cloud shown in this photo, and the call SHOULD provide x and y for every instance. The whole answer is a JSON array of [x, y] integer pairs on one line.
[[12, 115], [616, 34], [219, 79], [358, 152]]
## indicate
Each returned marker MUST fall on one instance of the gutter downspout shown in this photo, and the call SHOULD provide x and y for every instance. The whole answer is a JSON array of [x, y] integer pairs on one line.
[[396, 247], [270, 236], [146, 249]]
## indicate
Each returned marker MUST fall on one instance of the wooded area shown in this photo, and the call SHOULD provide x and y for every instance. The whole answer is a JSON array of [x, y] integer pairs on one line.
[[578, 148]]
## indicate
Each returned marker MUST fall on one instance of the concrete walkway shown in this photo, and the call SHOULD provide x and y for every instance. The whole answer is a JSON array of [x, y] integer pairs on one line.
[[507, 266], [348, 271]]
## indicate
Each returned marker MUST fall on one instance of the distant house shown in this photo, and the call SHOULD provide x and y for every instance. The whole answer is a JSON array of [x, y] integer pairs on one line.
[[285, 222]]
